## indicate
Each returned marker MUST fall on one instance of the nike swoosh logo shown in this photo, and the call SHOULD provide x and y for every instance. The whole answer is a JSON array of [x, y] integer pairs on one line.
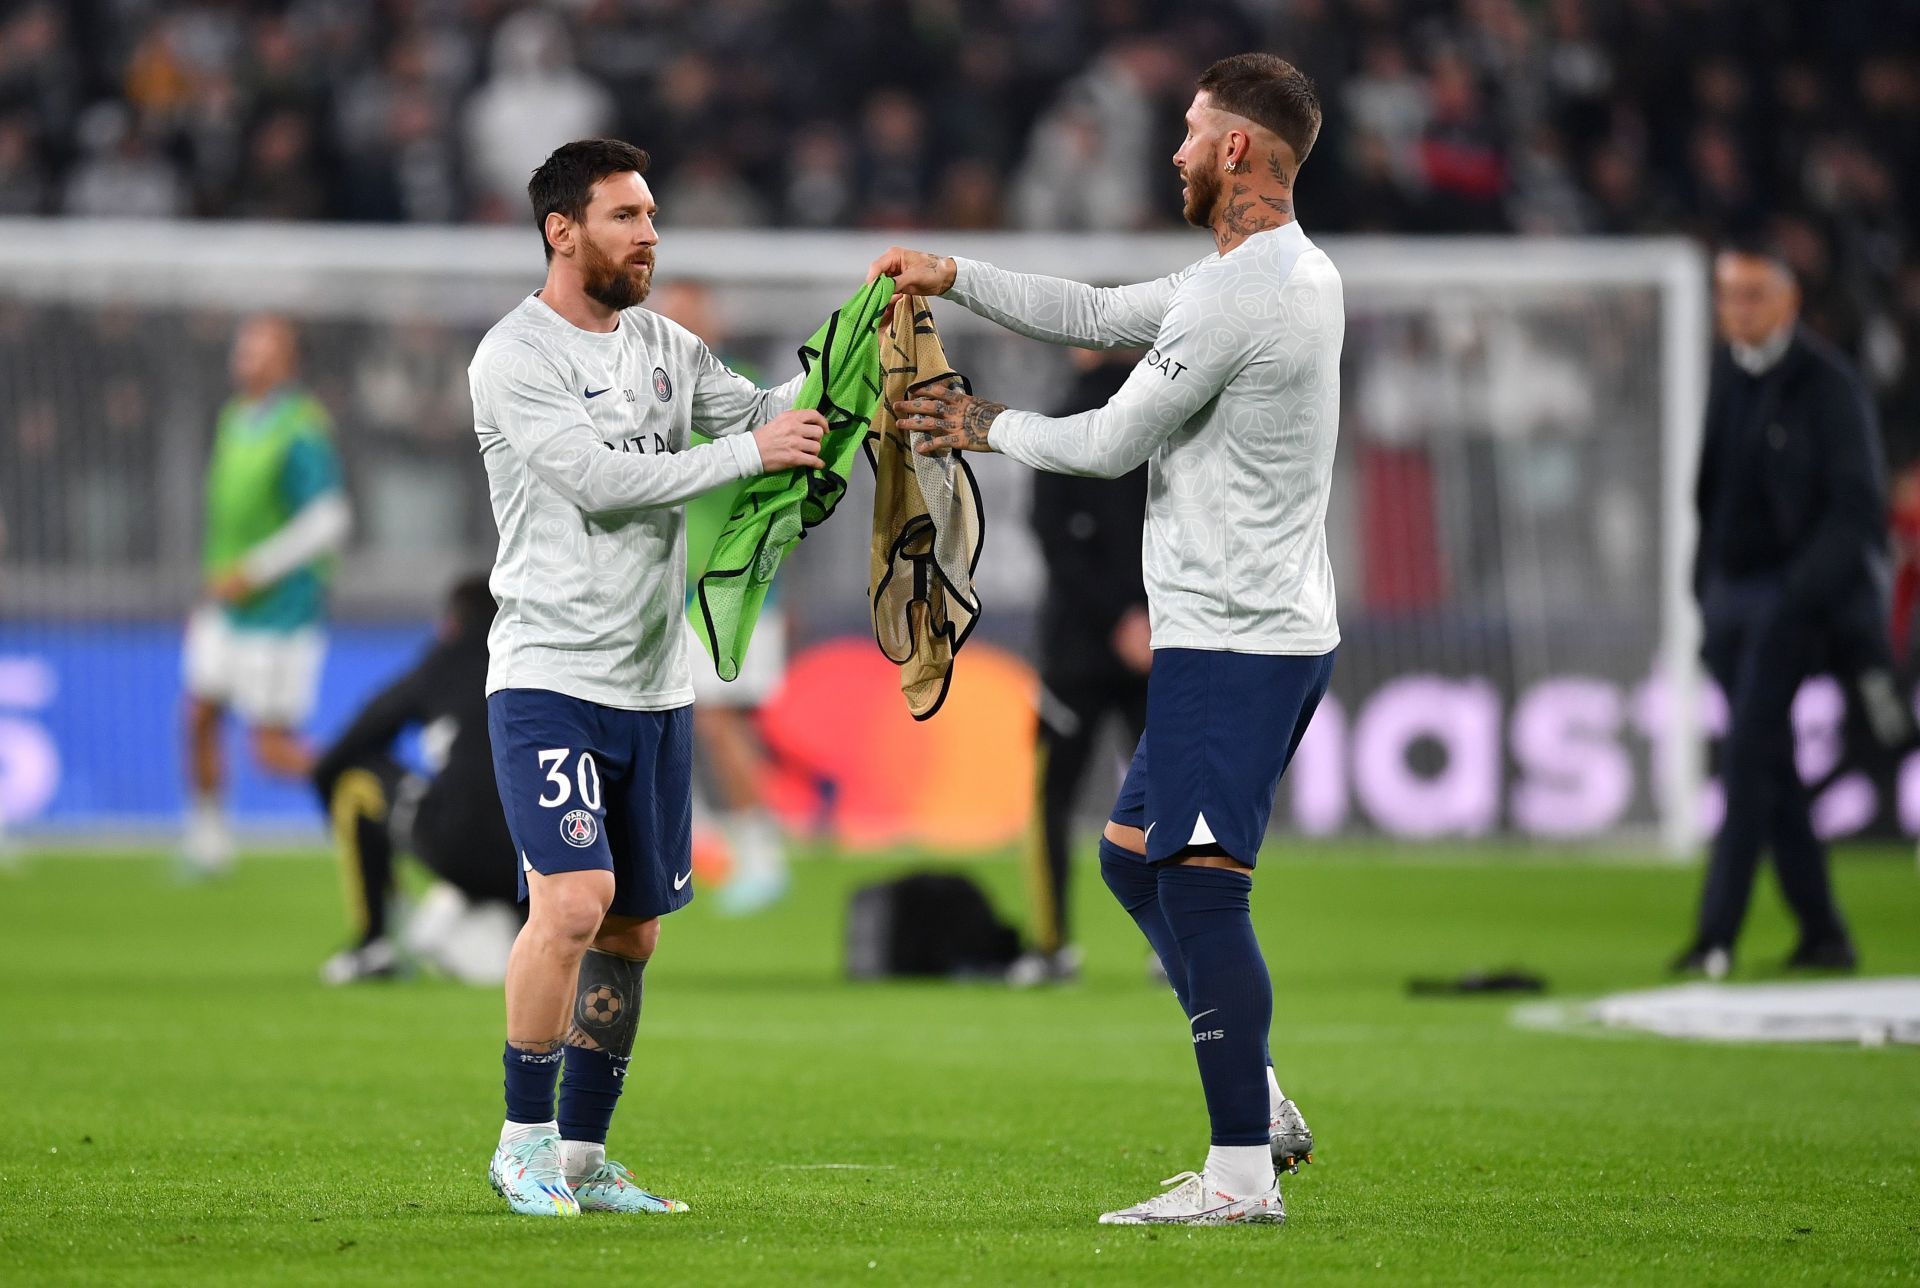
[[680, 881], [595, 393], [1203, 1015], [1148, 834]]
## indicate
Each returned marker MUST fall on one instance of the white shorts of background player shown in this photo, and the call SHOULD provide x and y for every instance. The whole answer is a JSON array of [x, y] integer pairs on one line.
[[268, 678]]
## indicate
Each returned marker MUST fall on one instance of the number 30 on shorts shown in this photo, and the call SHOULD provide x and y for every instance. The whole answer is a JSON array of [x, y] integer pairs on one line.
[[585, 773]]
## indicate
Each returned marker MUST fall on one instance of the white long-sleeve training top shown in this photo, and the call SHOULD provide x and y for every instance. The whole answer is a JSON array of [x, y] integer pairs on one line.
[[1236, 406], [585, 437]]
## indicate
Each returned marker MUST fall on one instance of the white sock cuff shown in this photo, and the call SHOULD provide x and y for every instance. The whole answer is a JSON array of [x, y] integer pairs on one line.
[[579, 1157], [1240, 1170], [512, 1133]]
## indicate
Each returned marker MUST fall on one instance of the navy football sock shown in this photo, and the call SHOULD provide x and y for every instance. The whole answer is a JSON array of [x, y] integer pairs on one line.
[[589, 1089], [1137, 886], [606, 1018], [1229, 994], [530, 1079]]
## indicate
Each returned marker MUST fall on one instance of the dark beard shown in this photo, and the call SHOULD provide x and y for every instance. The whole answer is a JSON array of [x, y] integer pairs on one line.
[[1203, 194], [618, 286]]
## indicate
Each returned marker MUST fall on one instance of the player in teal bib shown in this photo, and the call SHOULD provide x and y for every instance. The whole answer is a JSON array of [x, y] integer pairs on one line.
[[271, 459], [276, 519]]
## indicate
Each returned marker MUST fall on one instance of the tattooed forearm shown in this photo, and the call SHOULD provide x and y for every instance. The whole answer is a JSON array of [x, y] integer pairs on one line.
[[977, 419]]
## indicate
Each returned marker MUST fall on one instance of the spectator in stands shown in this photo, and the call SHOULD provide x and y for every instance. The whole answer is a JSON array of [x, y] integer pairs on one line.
[[819, 189], [23, 182], [1091, 163], [122, 175], [535, 100], [279, 180], [1470, 115]]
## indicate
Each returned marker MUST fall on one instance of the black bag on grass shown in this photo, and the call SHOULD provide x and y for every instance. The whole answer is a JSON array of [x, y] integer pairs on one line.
[[927, 924]]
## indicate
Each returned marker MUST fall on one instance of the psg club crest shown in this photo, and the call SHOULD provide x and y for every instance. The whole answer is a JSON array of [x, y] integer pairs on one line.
[[662, 387], [579, 828]]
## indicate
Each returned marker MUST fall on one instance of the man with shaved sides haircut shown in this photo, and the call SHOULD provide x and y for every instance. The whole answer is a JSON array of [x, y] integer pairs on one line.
[[1235, 407], [584, 405]]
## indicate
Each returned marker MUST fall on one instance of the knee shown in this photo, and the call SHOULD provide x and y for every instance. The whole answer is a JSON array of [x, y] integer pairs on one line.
[[629, 938], [571, 906], [279, 750]]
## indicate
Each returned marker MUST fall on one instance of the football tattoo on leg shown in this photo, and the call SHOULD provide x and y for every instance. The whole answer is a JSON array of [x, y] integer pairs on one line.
[[606, 1010]]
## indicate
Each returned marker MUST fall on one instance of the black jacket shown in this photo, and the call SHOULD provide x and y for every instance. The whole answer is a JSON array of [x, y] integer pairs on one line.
[[1805, 437], [1089, 532], [446, 692]]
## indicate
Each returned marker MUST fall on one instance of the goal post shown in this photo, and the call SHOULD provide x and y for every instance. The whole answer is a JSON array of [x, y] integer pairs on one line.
[[1512, 521]]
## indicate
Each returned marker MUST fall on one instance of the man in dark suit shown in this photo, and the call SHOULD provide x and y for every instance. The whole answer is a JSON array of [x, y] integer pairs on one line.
[[1792, 503]]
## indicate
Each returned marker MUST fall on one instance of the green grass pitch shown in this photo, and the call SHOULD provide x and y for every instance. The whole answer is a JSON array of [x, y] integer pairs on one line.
[[186, 1105]]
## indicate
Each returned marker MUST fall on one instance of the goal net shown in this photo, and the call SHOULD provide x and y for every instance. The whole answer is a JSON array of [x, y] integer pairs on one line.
[[1510, 522]]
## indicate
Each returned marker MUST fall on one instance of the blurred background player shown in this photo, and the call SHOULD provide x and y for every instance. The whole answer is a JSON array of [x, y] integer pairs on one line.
[[276, 514], [1095, 651], [450, 818], [1793, 511], [726, 733]]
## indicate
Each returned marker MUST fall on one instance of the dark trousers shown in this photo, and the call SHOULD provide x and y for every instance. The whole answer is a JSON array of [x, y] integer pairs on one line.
[[1072, 711], [1760, 651]]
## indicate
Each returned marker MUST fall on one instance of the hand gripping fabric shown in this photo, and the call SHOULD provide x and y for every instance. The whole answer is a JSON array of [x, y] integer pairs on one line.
[[842, 364], [927, 526]]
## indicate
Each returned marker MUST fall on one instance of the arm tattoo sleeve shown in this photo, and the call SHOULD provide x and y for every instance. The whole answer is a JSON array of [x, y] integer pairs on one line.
[[606, 1009]]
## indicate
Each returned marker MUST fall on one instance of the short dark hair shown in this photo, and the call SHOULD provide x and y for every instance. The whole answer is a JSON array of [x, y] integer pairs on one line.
[[1270, 91], [564, 182], [1748, 243]]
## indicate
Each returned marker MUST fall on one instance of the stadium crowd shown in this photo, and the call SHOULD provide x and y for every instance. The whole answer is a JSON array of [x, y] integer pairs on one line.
[[1555, 116]]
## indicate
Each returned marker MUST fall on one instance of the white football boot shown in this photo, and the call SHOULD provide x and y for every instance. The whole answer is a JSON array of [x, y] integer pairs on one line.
[[1191, 1200]]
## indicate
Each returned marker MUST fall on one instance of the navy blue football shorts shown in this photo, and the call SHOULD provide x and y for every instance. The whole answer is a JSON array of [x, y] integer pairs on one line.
[[586, 786], [1221, 729]]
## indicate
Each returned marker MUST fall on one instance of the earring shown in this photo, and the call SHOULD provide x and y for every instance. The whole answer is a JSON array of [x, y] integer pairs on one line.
[[1234, 167]]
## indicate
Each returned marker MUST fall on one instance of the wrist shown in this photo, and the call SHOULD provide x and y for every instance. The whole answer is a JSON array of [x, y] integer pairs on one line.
[[748, 459], [978, 420]]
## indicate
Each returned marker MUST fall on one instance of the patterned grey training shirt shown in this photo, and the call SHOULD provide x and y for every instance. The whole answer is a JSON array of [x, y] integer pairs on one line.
[[585, 439], [1236, 404]]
